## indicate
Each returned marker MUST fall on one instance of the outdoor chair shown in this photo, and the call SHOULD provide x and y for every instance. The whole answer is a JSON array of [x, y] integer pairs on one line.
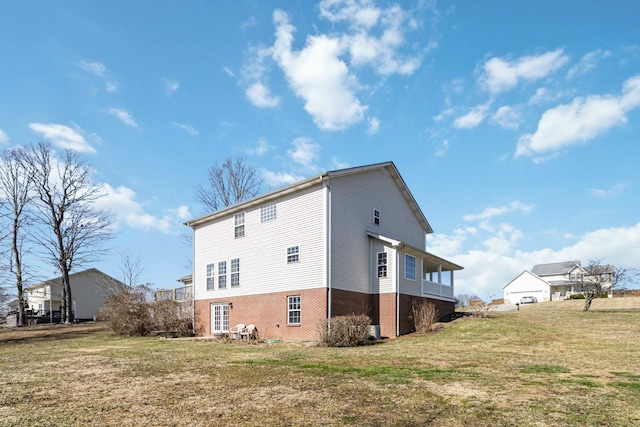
[[250, 332], [237, 331]]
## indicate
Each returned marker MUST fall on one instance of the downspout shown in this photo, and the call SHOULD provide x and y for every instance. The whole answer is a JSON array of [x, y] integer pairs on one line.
[[397, 293], [193, 285], [328, 269]]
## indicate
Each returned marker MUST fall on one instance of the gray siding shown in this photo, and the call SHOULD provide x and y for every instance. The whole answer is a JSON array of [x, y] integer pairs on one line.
[[353, 199]]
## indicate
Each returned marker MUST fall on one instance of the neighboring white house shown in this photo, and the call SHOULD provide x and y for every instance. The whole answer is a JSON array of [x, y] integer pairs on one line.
[[87, 293], [547, 282], [349, 241]]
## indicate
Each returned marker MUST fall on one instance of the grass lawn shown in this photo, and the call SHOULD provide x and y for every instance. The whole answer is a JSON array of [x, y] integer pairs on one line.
[[548, 364]]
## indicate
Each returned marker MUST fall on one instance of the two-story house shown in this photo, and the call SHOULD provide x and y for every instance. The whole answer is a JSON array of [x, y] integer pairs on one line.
[[552, 281], [348, 241]]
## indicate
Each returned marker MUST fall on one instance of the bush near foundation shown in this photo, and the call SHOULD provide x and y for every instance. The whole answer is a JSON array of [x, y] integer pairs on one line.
[[425, 316], [131, 314], [344, 331]]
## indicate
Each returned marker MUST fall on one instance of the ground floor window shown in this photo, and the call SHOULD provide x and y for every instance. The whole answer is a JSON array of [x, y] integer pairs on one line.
[[293, 310], [382, 264], [219, 318]]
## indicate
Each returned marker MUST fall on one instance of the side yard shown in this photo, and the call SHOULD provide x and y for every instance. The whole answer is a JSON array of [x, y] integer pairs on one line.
[[540, 366]]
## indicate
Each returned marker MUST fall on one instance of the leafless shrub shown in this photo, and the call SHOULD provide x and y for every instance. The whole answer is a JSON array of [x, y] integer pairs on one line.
[[344, 331], [480, 311], [130, 314], [425, 316]]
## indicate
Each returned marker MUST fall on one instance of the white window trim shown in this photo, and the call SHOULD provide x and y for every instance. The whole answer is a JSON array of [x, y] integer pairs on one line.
[[239, 225], [293, 310], [268, 212], [376, 217], [211, 275], [406, 270], [222, 275], [385, 265], [235, 272], [293, 252]]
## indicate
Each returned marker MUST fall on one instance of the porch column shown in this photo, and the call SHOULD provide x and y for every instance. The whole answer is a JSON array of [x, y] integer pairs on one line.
[[451, 272], [439, 273]]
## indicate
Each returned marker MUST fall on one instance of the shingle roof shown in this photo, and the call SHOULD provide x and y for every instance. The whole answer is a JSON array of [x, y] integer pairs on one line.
[[554, 268]]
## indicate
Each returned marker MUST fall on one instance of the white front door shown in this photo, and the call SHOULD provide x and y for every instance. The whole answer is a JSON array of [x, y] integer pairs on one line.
[[219, 318]]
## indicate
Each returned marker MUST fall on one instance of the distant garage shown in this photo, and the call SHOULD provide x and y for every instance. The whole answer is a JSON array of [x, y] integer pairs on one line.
[[526, 285]]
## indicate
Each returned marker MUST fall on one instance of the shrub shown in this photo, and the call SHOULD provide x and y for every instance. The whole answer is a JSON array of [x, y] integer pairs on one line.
[[425, 315], [576, 296], [130, 314], [344, 331]]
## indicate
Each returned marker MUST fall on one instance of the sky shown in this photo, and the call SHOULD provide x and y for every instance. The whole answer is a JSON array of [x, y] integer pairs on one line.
[[516, 125]]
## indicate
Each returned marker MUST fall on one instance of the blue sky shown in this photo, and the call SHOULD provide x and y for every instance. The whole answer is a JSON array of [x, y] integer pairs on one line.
[[516, 125]]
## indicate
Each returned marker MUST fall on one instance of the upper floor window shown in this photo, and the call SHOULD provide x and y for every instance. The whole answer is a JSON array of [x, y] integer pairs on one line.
[[293, 254], [239, 224], [268, 212], [222, 274], [294, 310], [382, 264], [409, 267], [210, 277], [235, 272], [376, 217]]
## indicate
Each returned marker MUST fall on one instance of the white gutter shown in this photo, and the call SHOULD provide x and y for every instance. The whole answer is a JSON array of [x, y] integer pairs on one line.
[[328, 252], [397, 293]]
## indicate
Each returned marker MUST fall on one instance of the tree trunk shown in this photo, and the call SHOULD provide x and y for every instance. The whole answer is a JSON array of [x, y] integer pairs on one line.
[[68, 300], [18, 273], [587, 304]]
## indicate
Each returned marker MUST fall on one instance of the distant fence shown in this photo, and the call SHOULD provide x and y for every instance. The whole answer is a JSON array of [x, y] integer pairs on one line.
[[497, 301], [621, 293]]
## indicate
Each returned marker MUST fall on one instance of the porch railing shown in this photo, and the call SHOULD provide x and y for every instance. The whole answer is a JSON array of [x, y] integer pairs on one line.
[[176, 294], [436, 289]]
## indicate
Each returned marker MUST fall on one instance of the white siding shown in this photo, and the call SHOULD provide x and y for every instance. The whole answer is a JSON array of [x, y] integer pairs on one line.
[[526, 285], [353, 199], [263, 249], [381, 285]]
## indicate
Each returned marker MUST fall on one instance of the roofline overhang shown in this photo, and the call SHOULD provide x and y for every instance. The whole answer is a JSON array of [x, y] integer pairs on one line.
[[399, 245]]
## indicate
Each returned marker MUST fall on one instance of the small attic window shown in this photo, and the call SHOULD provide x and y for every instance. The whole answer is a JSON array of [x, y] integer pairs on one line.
[[376, 217]]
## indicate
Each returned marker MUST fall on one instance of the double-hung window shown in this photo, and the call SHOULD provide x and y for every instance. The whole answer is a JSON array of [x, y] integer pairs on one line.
[[211, 285], [409, 267], [235, 272], [239, 224], [268, 212], [293, 254], [293, 310], [382, 264], [222, 274], [376, 217]]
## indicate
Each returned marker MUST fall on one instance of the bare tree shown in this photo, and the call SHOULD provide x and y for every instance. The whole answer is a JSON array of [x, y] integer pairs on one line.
[[16, 185], [229, 183], [130, 271], [73, 230], [599, 279]]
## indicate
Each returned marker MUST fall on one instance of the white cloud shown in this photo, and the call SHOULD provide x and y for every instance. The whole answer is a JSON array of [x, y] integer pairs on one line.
[[319, 76], [499, 260], [188, 128], [587, 63], [499, 211], [3, 137], [304, 152], [121, 202], [260, 96], [444, 147], [228, 71], [581, 120], [507, 117], [500, 74], [96, 68], [63, 136], [171, 86], [124, 117], [278, 179], [611, 192], [111, 86], [473, 118], [262, 148], [374, 126]]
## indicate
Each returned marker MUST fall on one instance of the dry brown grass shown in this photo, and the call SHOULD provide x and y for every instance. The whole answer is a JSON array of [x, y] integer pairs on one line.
[[545, 365]]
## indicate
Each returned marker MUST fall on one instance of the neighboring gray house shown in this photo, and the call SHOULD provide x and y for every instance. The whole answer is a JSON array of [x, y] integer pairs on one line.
[[87, 292], [348, 241]]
